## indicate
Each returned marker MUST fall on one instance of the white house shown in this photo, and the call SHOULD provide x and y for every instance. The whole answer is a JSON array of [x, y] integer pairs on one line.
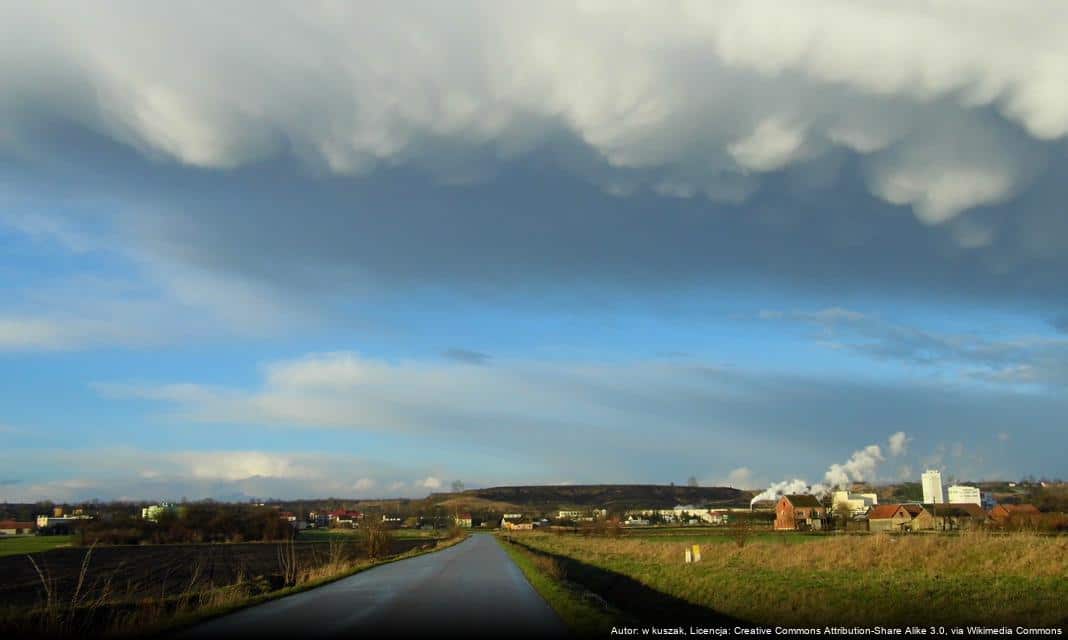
[[153, 512]]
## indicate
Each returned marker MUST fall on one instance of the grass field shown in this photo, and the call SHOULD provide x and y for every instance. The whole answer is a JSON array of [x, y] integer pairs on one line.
[[18, 545], [583, 615], [717, 535], [397, 534], [973, 578]]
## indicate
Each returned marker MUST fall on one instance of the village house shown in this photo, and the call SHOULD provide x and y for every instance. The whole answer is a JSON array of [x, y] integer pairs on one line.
[[153, 512], [799, 513], [463, 520], [949, 516], [718, 517], [516, 522], [344, 518], [59, 523], [1003, 514], [14, 528], [899, 517], [921, 518]]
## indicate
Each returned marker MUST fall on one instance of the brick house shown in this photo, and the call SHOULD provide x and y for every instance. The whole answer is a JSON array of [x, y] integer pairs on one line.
[[799, 513], [13, 528]]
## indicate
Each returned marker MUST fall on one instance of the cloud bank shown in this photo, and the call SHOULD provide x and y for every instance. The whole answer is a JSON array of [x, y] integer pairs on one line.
[[383, 147], [705, 95]]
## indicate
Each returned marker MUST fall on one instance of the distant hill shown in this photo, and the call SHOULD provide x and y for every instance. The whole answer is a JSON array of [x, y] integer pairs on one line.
[[611, 496]]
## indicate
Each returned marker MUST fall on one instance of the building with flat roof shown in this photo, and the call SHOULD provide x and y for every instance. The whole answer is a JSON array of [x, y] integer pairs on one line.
[[932, 487], [961, 494], [858, 503]]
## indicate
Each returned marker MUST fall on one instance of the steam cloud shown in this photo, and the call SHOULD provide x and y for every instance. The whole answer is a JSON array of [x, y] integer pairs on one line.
[[861, 466]]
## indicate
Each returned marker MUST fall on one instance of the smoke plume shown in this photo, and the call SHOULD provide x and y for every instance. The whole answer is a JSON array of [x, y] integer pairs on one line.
[[860, 467]]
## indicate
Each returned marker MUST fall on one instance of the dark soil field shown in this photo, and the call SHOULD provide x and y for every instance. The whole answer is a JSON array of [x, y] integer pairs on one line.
[[131, 573]]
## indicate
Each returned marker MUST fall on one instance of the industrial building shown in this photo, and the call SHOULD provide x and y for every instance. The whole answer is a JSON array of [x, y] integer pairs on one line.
[[858, 503], [932, 487], [961, 494]]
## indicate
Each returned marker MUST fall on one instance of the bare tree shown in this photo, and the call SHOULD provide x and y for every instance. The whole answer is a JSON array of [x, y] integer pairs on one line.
[[457, 486], [844, 512]]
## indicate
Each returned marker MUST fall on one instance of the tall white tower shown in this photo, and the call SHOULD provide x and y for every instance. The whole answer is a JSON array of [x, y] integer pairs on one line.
[[932, 487]]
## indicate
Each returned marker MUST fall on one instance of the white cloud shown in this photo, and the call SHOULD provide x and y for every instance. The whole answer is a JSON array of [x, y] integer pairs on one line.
[[430, 482], [34, 333], [147, 474], [772, 145], [242, 465], [354, 88]]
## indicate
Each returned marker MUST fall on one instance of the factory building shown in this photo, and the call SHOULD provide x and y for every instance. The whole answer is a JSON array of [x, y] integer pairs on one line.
[[932, 487]]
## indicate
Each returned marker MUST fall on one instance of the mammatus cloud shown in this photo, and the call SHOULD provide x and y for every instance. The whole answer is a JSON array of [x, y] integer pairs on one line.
[[491, 80]]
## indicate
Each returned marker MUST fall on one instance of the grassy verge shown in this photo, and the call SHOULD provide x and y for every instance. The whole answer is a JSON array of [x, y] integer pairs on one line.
[[19, 545], [580, 610], [848, 580]]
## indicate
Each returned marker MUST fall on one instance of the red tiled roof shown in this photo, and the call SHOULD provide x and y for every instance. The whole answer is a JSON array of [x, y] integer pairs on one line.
[[883, 511], [1020, 508]]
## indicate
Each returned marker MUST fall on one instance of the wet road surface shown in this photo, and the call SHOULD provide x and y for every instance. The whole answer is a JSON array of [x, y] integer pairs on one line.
[[470, 589]]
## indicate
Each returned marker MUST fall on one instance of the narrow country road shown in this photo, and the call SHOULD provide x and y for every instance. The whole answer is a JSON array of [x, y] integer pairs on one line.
[[471, 589]]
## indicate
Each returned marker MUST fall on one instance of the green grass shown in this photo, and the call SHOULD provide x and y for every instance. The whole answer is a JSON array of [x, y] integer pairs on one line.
[[849, 580], [574, 606], [718, 537], [16, 545]]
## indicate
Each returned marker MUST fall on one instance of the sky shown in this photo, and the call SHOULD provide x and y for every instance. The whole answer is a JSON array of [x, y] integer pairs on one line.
[[298, 249]]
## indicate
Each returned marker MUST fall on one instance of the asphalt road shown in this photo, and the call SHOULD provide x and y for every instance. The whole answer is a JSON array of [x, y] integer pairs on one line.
[[471, 589]]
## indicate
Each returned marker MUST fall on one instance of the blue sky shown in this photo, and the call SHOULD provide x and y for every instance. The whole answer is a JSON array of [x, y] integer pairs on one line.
[[399, 247]]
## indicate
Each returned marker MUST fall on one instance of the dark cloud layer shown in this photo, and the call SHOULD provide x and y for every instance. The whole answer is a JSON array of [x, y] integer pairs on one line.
[[534, 226]]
